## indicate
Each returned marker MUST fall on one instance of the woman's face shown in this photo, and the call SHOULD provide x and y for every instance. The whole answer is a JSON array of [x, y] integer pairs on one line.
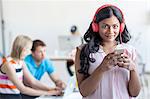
[[26, 51], [109, 29]]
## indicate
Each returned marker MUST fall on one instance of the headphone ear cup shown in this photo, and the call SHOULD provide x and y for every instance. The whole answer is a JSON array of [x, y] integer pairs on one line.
[[95, 27], [122, 25]]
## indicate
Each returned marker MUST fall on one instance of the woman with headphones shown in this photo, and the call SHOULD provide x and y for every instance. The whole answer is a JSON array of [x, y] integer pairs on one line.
[[102, 71]]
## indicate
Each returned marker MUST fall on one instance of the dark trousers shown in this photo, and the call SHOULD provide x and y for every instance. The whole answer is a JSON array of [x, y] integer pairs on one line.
[[28, 97], [10, 96]]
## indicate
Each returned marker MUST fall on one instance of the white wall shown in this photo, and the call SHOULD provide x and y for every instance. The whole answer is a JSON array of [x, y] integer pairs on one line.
[[46, 19], [1, 39], [0, 28]]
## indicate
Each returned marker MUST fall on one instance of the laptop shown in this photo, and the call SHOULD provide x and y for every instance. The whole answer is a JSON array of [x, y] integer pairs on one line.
[[71, 86], [69, 90]]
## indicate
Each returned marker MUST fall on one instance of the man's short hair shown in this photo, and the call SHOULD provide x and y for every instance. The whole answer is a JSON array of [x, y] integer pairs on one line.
[[37, 43]]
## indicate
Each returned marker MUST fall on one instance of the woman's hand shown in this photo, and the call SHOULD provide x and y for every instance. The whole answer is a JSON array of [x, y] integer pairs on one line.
[[109, 61], [125, 61]]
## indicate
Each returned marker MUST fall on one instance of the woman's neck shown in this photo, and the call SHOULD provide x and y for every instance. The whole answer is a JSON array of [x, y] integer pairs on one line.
[[109, 44], [109, 47]]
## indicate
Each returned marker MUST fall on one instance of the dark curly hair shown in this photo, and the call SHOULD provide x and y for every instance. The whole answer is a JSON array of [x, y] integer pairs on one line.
[[93, 39]]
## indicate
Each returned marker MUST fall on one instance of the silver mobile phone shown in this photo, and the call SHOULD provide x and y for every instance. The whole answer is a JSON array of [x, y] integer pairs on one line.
[[119, 51]]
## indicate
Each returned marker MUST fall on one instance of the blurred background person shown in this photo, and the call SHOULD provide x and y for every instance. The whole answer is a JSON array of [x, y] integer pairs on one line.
[[14, 71], [38, 64]]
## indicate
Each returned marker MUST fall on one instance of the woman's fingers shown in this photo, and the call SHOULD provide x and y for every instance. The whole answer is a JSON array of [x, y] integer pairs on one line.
[[112, 58], [124, 61]]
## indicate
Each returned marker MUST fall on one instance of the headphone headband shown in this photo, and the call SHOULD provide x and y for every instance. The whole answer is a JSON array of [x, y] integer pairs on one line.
[[95, 26], [108, 5]]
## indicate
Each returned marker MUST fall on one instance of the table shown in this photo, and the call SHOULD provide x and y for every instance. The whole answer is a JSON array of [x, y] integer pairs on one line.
[[60, 58], [68, 61], [74, 95]]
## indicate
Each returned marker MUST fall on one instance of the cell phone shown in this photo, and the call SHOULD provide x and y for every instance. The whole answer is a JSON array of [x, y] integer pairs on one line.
[[119, 51]]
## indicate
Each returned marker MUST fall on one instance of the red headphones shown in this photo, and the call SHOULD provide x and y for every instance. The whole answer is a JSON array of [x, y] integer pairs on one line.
[[95, 26]]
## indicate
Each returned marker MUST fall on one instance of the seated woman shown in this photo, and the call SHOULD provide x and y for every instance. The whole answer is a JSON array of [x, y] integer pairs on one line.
[[14, 69]]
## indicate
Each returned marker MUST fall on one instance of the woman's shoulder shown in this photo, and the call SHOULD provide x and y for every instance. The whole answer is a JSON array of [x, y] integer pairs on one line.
[[126, 46], [80, 46], [130, 50], [7, 65], [8, 60]]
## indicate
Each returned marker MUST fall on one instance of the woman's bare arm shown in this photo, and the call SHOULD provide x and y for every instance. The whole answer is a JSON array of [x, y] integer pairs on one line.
[[92, 81], [11, 73]]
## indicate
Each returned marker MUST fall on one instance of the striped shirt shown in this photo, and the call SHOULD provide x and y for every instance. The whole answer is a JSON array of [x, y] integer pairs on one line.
[[6, 85]]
